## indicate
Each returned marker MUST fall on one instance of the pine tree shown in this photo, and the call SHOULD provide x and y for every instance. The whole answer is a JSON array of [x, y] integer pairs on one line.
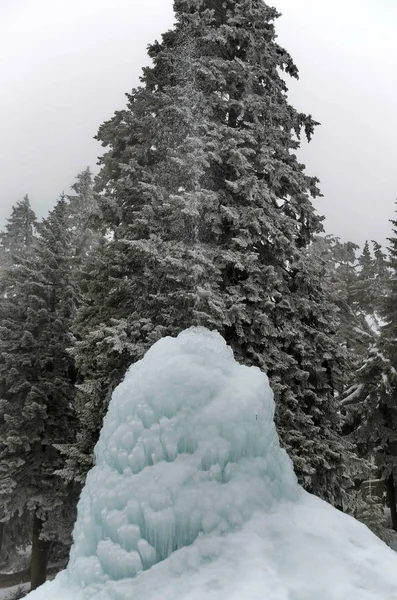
[[371, 512], [340, 275], [372, 403], [15, 242], [210, 218], [371, 283], [371, 417], [367, 292], [382, 275], [84, 217], [37, 383], [18, 233], [383, 416], [366, 262]]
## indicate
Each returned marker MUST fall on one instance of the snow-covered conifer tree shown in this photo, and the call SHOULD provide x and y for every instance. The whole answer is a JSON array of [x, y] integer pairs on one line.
[[37, 382], [83, 214], [370, 404], [15, 242], [382, 416], [210, 217], [18, 233], [371, 282]]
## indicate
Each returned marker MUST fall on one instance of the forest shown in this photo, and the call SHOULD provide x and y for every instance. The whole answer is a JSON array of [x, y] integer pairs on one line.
[[201, 214]]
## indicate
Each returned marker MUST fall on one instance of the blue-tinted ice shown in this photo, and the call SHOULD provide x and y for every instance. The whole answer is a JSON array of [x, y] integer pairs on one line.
[[191, 496]]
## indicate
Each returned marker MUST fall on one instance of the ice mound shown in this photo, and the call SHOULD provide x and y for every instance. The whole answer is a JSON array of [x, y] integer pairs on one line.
[[191, 496]]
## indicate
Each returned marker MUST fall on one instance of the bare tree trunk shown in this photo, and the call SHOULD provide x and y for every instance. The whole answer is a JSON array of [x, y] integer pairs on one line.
[[391, 498], [40, 549]]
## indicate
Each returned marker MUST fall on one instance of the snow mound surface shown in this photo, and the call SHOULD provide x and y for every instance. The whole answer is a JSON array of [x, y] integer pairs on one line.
[[192, 498]]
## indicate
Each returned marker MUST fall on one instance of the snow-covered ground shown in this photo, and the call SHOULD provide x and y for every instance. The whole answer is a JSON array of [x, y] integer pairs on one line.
[[8, 593], [192, 498]]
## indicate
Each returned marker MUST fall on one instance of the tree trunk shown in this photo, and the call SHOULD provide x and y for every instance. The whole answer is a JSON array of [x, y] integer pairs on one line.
[[40, 549], [391, 498]]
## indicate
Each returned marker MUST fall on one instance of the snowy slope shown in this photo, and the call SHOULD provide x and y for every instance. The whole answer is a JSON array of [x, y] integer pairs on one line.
[[10, 592], [192, 498]]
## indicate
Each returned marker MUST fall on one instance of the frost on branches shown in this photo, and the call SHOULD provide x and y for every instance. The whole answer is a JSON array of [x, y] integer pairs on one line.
[[209, 218]]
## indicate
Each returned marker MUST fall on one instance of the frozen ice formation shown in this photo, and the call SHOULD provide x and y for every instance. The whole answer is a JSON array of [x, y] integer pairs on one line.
[[191, 496]]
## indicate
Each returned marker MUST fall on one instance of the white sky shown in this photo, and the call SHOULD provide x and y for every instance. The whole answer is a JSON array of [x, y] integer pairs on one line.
[[66, 64]]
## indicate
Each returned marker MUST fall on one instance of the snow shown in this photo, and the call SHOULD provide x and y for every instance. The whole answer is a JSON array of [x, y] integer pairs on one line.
[[192, 497], [9, 593], [375, 322], [352, 393]]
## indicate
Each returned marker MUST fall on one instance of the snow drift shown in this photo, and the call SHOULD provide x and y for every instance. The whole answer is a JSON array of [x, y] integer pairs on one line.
[[192, 496]]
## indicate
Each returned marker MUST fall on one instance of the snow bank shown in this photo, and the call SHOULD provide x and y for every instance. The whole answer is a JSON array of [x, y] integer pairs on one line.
[[192, 497]]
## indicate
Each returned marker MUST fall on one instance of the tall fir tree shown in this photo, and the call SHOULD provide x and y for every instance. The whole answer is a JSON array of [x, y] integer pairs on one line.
[[85, 227], [16, 240], [371, 403], [383, 273], [37, 383], [340, 275], [18, 233], [371, 283], [84, 216], [209, 217], [382, 416], [368, 289]]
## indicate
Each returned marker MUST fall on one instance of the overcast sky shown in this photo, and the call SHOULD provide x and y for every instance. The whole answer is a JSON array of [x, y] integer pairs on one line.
[[66, 64]]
